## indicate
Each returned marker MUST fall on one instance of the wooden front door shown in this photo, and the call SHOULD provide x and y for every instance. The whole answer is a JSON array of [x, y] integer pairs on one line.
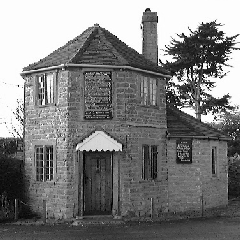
[[97, 183]]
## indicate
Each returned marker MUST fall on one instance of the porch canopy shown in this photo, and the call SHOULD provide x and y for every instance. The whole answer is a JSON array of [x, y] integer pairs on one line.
[[99, 141]]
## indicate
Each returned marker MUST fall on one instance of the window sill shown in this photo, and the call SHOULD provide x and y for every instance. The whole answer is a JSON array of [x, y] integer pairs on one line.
[[53, 182], [149, 180], [149, 106], [97, 119], [214, 177], [46, 106]]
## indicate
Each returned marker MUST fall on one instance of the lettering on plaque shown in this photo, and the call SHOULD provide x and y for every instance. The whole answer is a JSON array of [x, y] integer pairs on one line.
[[98, 95], [184, 151]]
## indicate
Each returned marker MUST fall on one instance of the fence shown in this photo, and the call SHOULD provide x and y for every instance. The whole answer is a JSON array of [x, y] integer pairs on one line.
[[234, 179], [13, 209], [6, 207]]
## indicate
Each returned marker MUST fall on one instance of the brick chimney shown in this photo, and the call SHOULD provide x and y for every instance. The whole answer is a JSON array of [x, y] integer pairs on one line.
[[149, 28]]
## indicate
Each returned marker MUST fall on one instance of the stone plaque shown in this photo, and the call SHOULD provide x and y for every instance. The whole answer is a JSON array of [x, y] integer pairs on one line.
[[98, 95], [184, 151]]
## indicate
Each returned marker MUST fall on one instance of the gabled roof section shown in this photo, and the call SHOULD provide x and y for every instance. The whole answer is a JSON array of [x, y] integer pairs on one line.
[[96, 46], [181, 124], [99, 141]]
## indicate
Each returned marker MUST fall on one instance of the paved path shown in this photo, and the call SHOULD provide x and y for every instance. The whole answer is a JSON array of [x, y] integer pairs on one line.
[[225, 227], [195, 229]]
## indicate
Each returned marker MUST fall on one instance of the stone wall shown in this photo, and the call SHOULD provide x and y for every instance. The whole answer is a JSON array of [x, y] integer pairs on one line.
[[136, 192], [215, 189], [128, 102], [44, 124], [132, 125], [188, 183], [177, 188], [64, 124]]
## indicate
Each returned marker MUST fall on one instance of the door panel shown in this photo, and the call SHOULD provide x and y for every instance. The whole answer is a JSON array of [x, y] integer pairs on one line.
[[97, 183]]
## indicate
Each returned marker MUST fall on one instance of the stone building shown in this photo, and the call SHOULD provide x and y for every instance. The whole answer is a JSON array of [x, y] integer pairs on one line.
[[100, 139]]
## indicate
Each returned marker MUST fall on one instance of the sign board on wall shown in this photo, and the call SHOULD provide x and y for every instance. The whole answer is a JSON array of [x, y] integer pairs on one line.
[[184, 151], [98, 95]]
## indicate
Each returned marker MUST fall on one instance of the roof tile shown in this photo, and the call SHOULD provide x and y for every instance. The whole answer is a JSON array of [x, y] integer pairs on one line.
[[182, 124], [94, 46]]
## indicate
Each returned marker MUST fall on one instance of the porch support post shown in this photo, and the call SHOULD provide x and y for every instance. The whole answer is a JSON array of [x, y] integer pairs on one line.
[[116, 185], [80, 186]]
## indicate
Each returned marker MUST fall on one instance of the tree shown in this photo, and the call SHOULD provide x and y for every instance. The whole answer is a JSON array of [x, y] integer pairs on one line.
[[8, 147], [17, 126], [11, 176], [197, 59], [229, 123]]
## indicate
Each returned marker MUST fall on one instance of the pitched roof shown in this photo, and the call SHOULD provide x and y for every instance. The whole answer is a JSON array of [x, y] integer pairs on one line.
[[181, 124], [96, 46]]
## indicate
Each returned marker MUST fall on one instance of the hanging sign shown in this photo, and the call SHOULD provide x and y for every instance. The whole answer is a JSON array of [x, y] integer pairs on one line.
[[184, 151], [98, 95]]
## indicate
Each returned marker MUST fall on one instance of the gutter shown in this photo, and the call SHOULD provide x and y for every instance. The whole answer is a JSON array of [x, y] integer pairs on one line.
[[42, 69], [94, 66], [200, 137]]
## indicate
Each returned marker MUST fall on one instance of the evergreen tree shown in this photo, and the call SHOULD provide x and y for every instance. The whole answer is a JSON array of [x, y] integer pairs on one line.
[[198, 58], [229, 123]]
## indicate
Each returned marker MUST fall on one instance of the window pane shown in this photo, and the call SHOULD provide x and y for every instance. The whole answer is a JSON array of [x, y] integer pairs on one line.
[[49, 88], [144, 90], [49, 163], [154, 162], [41, 90], [153, 91], [39, 163], [148, 91], [141, 88], [45, 89], [146, 162], [214, 160]]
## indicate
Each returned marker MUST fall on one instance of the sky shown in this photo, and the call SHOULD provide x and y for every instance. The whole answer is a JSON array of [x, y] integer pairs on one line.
[[32, 29]]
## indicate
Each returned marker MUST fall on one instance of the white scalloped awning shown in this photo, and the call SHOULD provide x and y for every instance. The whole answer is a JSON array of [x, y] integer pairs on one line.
[[99, 141]]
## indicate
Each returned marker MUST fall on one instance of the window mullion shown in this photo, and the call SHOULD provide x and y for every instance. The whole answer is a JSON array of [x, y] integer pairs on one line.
[[44, 163], [151, 161], [45, 90], [143, 162], [149, 92]]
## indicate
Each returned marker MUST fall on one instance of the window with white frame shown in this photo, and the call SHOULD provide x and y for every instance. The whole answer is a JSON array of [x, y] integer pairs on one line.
[[214, 160], [44, 163], [149, 155], [45, 89], [148, 91]]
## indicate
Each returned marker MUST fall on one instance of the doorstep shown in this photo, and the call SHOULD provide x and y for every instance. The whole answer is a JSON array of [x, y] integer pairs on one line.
[[97, 220]]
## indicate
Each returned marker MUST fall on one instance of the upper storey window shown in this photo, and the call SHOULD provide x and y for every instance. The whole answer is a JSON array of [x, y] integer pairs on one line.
[[148, 91], [45, 89], [98, 95]]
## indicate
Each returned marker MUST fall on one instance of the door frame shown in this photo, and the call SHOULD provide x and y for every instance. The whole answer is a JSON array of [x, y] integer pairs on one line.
[[89, 156], [115, 167]]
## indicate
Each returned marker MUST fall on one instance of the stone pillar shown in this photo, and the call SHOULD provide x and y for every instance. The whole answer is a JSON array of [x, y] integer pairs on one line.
[[149, 27], [80, 185], [116, 185]]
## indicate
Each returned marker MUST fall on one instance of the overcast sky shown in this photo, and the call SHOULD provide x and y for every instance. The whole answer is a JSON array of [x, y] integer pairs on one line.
[[30, 30]]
